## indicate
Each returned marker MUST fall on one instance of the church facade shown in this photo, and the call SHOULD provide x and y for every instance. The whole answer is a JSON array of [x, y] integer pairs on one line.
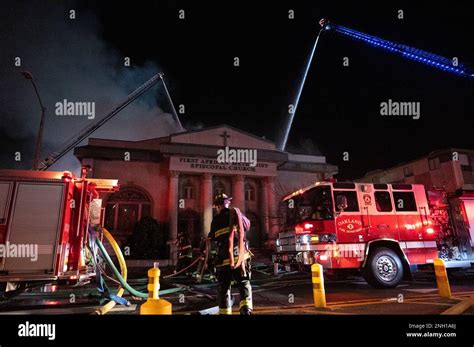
[[174, 179]]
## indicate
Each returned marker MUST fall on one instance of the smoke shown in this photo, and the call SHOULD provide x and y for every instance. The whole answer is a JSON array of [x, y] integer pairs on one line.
[[193, 125], [68, 60], [305, 146]]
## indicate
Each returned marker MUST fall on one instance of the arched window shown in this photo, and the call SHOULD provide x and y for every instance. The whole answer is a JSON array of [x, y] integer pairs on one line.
[[249, 192], [125, 208]]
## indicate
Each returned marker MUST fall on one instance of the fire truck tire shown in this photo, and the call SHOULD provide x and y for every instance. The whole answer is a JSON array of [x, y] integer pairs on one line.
[[384, 268]]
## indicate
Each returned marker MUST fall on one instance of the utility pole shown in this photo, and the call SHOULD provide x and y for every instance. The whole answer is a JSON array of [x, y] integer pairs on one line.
[[39, 138]]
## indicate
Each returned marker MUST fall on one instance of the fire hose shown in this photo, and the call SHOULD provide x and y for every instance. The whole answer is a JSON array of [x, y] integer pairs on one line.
[[182, 270], [122, 277], [123, 268]]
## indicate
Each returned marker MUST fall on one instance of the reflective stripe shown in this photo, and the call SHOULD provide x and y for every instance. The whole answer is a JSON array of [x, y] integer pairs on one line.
[[246, 302], [429, 244], [227, 261], [222, 231], [227, 310], [413, 244]]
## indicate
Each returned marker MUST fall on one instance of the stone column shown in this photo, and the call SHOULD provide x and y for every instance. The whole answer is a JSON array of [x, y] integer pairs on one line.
[[173, 214], [264, 207], [206, 201], [238, 193], [272, 210]]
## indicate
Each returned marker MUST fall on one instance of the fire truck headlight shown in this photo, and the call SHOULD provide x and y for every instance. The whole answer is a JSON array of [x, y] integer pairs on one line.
[[304, 239], [430, 231], [327, 237]]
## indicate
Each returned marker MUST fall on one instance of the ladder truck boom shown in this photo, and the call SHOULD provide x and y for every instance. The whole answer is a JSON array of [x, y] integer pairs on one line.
[[87, 131], [415, 54]]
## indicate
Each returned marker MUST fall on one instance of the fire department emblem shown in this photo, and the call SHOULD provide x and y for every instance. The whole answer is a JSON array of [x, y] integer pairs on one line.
[[367, 199], [349, 225]]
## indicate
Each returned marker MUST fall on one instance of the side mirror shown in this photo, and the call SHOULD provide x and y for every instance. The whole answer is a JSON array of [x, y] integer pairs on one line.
[[341, 202]]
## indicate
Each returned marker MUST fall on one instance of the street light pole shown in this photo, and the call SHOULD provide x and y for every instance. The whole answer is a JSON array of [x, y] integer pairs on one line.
[[39, 138]]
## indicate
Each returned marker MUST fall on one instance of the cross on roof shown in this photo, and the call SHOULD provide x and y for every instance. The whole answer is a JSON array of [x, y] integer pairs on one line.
[[225, 136]]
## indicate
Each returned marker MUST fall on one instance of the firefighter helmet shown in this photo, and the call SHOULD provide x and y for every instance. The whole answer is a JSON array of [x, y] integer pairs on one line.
[[221, 199]]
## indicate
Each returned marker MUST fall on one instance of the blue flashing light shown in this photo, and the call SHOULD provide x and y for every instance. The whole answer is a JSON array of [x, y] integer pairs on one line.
[[409, 52]]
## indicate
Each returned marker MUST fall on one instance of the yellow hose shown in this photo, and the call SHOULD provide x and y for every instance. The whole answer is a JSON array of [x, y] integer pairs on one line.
[[123, 269]]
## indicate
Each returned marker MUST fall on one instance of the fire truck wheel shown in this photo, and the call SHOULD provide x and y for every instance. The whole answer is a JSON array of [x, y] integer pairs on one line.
[[384, 268]]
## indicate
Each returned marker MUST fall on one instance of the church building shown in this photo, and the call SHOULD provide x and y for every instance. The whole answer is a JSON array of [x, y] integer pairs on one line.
[[175, 178]]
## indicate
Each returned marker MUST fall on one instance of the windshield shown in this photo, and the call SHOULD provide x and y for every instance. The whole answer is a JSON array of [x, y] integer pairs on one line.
[[314, 204]]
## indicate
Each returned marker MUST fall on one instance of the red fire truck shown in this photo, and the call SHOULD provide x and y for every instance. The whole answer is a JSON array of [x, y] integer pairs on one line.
[[44, 217], [384, 230]]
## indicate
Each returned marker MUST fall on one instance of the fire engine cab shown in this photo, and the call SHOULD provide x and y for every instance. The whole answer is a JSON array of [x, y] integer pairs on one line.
[[385, 230], [44, 216]]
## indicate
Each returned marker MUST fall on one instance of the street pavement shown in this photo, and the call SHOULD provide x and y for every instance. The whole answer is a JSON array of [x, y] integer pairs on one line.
[[287, 293]]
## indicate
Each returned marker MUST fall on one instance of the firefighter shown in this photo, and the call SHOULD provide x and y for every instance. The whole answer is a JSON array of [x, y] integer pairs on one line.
[[185, 252], [226, 228]]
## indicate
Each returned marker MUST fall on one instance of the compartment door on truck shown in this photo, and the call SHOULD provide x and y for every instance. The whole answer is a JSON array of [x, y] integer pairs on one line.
[[5, 199], [469, 208], [410, 207], [34, 227], [378, 212]]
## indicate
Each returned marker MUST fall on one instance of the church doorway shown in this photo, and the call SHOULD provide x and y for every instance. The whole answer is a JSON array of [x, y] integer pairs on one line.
[[189, 223]]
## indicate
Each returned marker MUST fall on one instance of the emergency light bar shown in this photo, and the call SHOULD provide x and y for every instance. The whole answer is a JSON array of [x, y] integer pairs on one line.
[[418, 55]]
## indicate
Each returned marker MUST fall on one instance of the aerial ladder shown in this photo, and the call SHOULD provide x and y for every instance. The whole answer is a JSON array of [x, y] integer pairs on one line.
[[415, 54], [87, 131]]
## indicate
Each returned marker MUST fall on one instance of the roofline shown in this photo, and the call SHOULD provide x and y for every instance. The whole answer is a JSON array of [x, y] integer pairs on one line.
[[426, 156], [223, 126], [130, 141]]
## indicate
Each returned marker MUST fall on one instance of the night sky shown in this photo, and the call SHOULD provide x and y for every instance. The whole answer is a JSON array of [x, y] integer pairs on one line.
[[340, 106]]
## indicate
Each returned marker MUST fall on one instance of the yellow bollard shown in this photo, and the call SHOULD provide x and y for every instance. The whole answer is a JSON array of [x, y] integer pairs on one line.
[[155, 305], [442, 281], [319, 293]]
